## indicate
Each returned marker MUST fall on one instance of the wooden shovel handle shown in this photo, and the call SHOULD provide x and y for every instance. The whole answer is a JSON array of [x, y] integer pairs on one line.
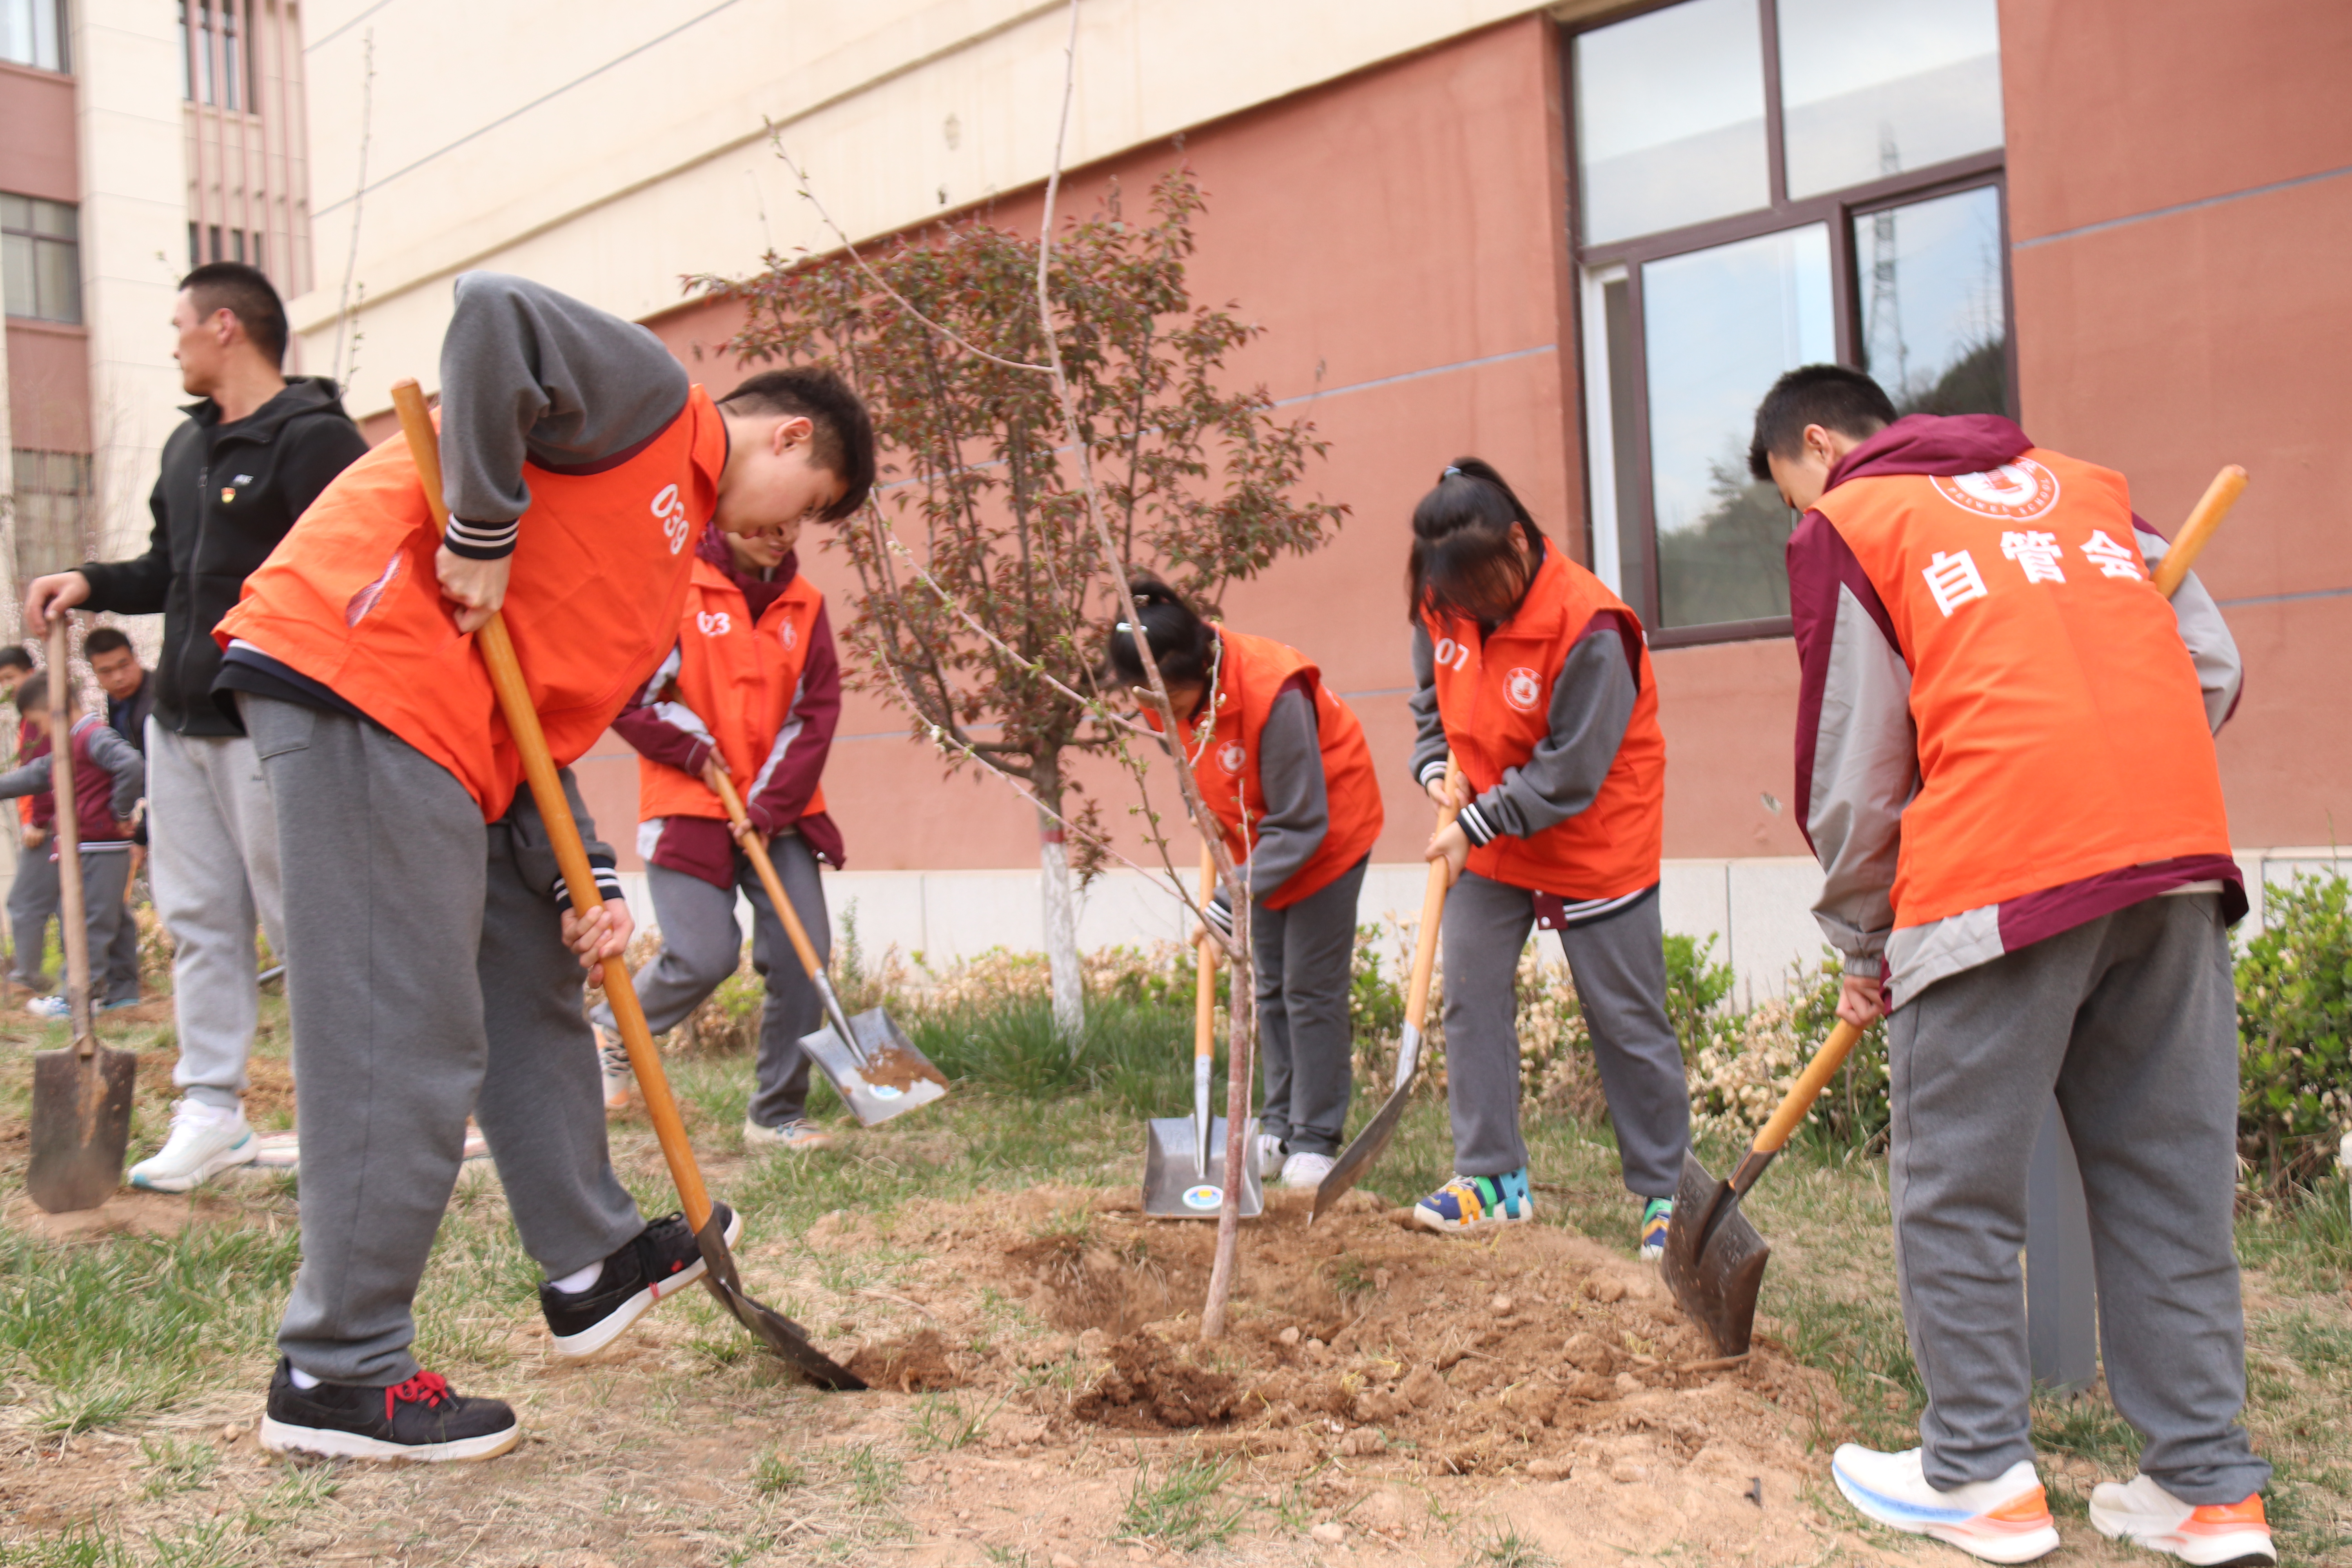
[[2212, 508], [66, 819], [1433, 911], [756, 847], [1798, 1101], [562, 832], [1204, 982]]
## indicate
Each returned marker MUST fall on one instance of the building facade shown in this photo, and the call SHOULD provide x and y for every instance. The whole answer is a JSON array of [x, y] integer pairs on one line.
[[1578, 240]]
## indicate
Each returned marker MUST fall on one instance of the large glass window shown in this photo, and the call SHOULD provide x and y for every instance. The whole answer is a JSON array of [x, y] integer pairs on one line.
[[53, 505], [1761, 184], [33, 33], [214, 67], [40, 258]]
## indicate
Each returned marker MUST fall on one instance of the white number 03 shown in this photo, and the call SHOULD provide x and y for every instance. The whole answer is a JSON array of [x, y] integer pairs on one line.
[[1454, 654]]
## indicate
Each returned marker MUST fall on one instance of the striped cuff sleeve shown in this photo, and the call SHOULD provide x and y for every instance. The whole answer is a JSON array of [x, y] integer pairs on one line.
[[1221, 914], [1432, 772], [481, 540], [1475, 825], [608, 884]]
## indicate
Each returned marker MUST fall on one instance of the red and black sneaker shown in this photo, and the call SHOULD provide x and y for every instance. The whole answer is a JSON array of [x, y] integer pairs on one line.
[[423, 1419], [663, 1260]]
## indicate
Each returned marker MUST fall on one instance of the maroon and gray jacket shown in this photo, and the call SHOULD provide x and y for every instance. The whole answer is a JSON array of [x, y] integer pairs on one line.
[[109, 777], [1858, 752], [665, 730]]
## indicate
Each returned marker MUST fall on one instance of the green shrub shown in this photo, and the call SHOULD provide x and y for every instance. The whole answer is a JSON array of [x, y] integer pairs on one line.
[[1696, 987], [2294, 1020]]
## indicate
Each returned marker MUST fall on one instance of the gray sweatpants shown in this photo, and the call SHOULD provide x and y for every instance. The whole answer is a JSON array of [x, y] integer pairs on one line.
[[428, 979], [2132, 1019], [701, 944], [1619, 966], [106, 922], [214, 868], [1305, 956], [32, 905]]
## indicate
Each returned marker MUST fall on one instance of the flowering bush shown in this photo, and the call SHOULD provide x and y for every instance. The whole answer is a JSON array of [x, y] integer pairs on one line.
[[1746, 1061], [2294, 1024]]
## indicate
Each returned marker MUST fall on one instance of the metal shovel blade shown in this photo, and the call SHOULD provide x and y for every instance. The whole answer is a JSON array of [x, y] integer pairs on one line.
[[81, 1126], [1713, 1261], [780, 1334], [1175, 1188], [879, 1076], [1374, 1140]]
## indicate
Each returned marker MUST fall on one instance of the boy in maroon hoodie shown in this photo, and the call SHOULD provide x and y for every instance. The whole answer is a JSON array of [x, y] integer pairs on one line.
[[753, 690]]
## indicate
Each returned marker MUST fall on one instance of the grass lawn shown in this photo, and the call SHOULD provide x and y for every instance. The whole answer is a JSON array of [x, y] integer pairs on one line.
[[133, 1354]]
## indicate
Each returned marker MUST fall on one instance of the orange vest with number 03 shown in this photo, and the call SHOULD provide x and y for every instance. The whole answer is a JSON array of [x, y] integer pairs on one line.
[[1494, 695], [349, 599], [2062, 730], [739, 679], [1251, 673]]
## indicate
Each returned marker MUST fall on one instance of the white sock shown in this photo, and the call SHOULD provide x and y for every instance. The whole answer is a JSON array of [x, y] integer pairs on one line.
[[301, 1379], [579, 1279]]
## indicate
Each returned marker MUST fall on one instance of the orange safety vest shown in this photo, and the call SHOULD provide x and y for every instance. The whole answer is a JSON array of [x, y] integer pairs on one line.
[[349, 599], [1251, 673], [1494, 695], [2062, 731], [739, 679]]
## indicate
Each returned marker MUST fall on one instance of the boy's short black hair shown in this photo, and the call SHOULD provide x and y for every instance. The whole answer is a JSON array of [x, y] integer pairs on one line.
[[246, 293], [103, 640], [845, 431], [33, 693], [13, 656], [1828, 395]]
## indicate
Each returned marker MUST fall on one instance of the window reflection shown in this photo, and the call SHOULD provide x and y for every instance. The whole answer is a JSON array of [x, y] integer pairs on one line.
[[1718, 326], [1935, 327], [1670, 119], [1870, 88]]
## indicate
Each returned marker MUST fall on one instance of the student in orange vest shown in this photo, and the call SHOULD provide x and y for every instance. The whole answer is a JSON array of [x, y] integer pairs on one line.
[[2005, 762], [430, 945], [1537, 679], [109, 777], [751, 690], [1283, 764]]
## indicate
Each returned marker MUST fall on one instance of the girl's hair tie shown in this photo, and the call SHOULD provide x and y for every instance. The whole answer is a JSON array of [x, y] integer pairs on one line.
[[1450, 474]]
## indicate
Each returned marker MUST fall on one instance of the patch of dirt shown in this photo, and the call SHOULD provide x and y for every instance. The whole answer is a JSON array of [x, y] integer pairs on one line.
[[270, 1079], [1152, 1386], [895, 1066], [916, 1364], [128, 1210]]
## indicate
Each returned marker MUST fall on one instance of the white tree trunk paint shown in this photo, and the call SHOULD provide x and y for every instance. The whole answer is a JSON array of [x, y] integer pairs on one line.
[[1062, 933]]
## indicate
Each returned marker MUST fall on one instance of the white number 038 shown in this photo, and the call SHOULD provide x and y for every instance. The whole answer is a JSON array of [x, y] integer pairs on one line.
[[670, 512]]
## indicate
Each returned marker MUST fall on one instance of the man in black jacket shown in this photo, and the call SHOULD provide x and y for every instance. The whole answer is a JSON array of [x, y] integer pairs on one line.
[[256, 450]]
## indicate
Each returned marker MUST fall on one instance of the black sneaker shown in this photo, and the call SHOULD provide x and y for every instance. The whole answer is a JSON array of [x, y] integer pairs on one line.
[[661, 1261], [423, 1419]]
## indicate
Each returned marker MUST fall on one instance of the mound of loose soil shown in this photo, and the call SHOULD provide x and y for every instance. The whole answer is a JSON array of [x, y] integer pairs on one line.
[[916, 1364], [1152, 1386]]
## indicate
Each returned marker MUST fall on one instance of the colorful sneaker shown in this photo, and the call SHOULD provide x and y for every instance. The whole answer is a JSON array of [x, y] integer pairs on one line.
[[662, 1261], [1269, 1156], [2214, 1535], [619, 1081], [206, 1141], [1465, 1203], [1657, 1219], [49, 1007], [799, 1135], [2005, 1520], [1305, 1170], [423, 1419]]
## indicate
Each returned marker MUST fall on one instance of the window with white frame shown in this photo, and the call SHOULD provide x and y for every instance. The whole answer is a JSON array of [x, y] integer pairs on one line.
[[40, 258], [33, 33], [1761, 184]]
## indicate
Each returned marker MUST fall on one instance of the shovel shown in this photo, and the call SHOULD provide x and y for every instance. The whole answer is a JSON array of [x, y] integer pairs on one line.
[[1357, 1157], [872, 1063], [1178, 1179], [81, 1094], [780, 1334], [1714, 1260]]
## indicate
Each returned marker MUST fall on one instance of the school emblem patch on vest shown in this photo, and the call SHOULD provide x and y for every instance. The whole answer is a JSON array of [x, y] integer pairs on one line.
[[1231, 756], [2014, 492], [1522, 689]]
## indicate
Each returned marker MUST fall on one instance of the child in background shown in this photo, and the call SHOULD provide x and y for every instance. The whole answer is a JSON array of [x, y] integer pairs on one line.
[[751, 690], [33, 894], [108, 778], [1537, 677]]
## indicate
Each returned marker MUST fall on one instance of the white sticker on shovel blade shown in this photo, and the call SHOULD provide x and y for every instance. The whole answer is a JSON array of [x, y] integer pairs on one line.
[[1203, 1197]]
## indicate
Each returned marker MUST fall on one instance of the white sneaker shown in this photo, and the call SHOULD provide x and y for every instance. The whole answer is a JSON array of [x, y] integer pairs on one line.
[[1303, 1170], [1269, 1156], [206, 1141], [2005, 1520], [619, 1081], [2216, 1535], [803, 1136], [48, 1007]]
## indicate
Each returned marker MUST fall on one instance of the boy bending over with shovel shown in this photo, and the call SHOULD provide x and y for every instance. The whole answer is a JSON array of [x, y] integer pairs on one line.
[[2005, 757], [429, 941], [752, 691]]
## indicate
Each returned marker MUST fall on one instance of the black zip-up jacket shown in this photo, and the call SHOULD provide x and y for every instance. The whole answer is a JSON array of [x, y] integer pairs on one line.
[[227, 495]]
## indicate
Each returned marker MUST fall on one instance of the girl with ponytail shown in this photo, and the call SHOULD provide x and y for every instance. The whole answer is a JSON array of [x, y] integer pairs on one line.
[[1536, 679], [1283, 764]]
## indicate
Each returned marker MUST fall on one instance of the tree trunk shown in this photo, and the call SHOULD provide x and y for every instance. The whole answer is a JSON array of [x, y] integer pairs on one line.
[[1061, 932], [1240, 1078]]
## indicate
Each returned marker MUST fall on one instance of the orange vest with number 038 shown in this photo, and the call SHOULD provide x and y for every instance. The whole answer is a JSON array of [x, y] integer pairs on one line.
[[349, 599], [2062, 730], [1494, 695], [1251, 673], [739, 679]]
